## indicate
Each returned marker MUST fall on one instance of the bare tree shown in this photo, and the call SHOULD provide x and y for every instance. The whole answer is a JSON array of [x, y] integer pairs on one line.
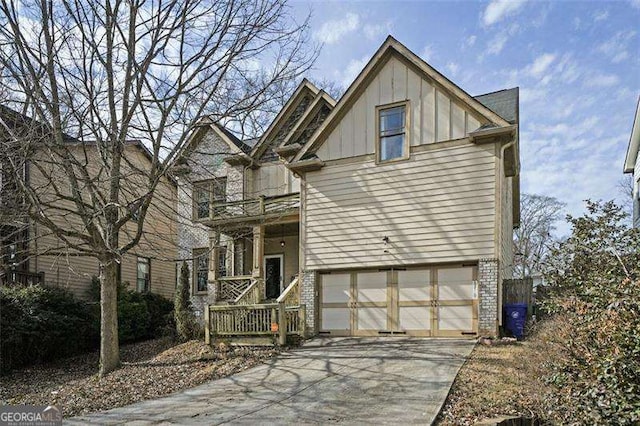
[[99, 74], [625, 188], [532, 240], [332, 87]]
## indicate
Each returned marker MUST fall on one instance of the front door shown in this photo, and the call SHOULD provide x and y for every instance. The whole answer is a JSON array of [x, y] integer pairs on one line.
[[273, 266]]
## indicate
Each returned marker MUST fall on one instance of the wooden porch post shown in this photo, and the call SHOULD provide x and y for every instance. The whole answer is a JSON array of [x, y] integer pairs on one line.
[[258, 251], [214, 245], [207, 325]]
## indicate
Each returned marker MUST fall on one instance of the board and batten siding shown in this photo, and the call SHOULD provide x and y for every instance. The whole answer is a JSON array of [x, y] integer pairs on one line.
[[438, 206], [273, 179], [433, 115]]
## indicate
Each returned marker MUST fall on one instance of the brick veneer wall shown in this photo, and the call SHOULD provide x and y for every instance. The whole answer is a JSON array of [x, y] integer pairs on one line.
[[308, 298], [488, 297]]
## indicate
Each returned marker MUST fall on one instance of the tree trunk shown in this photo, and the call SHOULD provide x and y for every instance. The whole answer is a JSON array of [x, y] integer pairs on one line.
[[109, 347]]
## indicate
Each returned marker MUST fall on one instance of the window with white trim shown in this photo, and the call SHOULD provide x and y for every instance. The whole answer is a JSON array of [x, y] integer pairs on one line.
[[392, 133]]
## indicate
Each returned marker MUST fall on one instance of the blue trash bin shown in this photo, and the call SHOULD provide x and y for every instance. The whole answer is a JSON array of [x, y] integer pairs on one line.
[[515, 318]]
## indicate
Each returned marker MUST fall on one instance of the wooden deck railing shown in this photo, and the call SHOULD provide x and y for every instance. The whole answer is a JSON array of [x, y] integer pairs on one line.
[[21, 278], [230, 288], [251, 295], [267, 319], [254, 207], [291, 295]]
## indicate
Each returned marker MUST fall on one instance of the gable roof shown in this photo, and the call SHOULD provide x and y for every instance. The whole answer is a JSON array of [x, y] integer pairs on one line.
[[391, 46], [503, 102], [266, 139], [634, 143]]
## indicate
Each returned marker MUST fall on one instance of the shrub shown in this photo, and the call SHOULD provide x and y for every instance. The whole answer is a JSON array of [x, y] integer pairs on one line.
[[160, 314], [594, 281], [43, 323], [186, 324], [140, 315]]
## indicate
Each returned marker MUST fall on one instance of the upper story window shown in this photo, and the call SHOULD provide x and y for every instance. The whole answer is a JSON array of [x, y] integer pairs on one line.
[[208, 193], [392, 138], [201, 269]]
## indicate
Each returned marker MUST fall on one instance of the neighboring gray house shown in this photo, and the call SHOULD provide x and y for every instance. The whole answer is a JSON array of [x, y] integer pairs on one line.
[[390, 211], [632, 164]]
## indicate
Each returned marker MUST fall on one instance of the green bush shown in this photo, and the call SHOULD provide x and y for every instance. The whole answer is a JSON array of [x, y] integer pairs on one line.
[[594, 279], [140, 315], [43, 323]]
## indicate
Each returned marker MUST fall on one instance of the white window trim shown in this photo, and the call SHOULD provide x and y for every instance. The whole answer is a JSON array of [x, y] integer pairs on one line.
[[407, 136]]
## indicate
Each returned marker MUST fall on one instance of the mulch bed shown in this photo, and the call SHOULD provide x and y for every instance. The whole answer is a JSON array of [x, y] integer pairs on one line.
[[149, 370], [501, 379]]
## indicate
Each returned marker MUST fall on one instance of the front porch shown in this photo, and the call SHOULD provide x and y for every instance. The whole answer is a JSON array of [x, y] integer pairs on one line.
[[260, 297]]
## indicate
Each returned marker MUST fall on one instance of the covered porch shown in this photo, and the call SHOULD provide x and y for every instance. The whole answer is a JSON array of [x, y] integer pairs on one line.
[[256, 293]]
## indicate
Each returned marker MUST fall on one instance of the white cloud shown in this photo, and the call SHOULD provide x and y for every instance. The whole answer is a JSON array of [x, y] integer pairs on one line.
[[541, 64], [635, 4], [332, 31], [453, 68], [567, 70], [497, 10], [352, 70], [601, 80], [375, 31], [600, 15], [471, 40], [427, 53], [497, 43], [616, 47]]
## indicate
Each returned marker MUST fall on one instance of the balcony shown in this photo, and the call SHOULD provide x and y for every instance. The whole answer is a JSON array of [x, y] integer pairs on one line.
[[253, 211], [21, 278]]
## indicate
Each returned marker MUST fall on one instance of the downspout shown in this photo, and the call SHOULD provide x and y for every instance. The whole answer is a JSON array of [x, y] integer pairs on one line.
[[500, 230]]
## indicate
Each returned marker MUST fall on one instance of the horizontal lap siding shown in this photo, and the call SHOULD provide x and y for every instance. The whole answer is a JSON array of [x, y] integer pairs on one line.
[[437, 207]]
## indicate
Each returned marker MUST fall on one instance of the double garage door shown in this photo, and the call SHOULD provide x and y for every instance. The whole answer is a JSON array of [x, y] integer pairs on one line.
[[439, 301]]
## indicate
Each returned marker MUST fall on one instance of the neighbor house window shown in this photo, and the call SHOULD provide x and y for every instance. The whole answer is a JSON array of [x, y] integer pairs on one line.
[[392, 132], [144, 274], [201, 269], [209, 193]]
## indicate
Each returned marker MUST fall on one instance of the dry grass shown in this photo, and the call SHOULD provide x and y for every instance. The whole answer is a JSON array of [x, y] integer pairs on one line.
[[149, 370], [498, 380]]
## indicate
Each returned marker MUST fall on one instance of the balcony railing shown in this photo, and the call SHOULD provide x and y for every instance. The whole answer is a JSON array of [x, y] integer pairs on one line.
[[255, 208], [21, 278]]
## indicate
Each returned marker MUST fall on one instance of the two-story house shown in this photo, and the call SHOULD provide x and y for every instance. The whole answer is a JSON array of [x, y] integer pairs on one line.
[[390, 211], [632, 165], [31, 253], [239, 205]]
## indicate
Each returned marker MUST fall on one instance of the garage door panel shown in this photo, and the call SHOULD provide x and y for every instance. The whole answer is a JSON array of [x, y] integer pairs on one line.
[[455, 318], [372, 318], [415, 317], [336, 318], [414, 285], [336, 288], [372, 287], [455, 284]]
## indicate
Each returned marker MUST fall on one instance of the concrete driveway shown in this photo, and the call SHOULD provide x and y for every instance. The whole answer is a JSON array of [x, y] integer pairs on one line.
[[328, 380]]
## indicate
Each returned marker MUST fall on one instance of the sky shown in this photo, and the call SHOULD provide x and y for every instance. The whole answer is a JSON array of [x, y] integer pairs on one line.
[[577, 64]]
